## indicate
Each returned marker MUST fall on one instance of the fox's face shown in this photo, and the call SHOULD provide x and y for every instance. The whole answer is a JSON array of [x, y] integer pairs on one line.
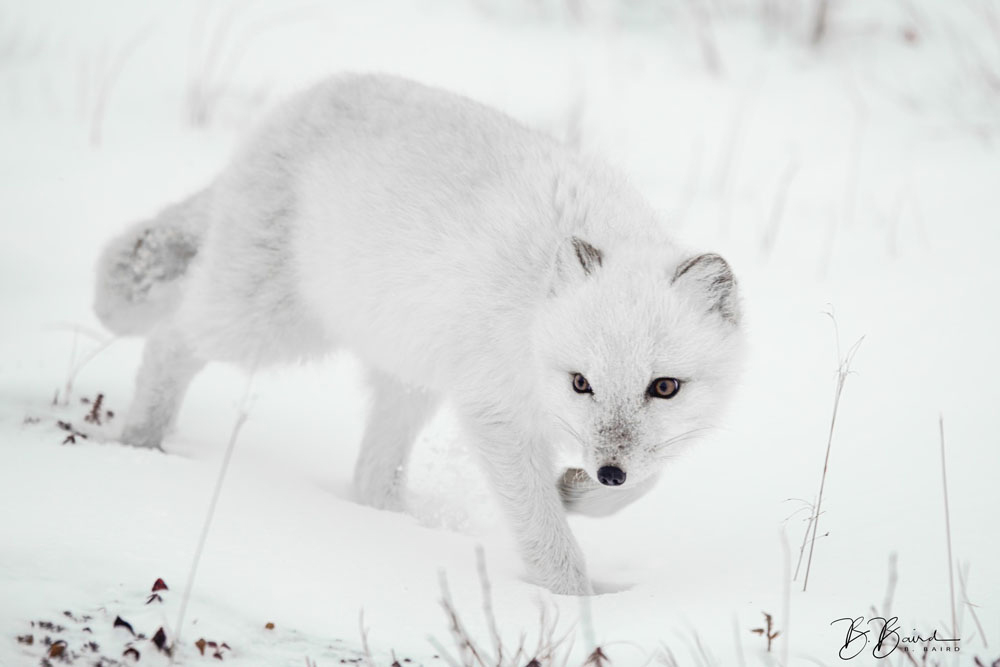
[[636, 354]]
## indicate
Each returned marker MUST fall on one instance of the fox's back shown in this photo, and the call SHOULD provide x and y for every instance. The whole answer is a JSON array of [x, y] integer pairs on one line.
[[424, 221], [400, 220]]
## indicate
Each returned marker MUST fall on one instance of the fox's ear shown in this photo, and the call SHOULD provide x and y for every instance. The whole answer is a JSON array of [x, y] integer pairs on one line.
[[711, 276], [576, 259]]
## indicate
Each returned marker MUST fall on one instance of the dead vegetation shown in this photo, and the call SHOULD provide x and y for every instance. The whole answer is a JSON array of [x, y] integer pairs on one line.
[[768, 632], [843, 371], [73, 642], [97, 415], [551, 648]]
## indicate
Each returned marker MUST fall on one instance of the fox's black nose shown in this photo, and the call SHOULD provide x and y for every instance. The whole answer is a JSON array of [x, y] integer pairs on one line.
[[611, 476]]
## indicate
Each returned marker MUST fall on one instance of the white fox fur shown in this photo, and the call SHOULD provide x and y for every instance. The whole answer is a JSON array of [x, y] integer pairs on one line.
[[460, 255]]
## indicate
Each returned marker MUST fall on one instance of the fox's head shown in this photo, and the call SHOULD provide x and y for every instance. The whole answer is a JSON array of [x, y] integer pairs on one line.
[[637, 348]]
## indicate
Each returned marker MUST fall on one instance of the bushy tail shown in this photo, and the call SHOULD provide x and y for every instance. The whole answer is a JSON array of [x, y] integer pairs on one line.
[[140, 274]]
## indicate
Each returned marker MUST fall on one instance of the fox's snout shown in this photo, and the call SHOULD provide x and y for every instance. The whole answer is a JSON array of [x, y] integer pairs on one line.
[[611, 476]]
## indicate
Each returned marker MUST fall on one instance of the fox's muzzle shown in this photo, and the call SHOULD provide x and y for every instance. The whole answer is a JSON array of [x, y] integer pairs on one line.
[[611, 476]]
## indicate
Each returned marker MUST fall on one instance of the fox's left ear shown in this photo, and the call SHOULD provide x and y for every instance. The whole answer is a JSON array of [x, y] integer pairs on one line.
[[711, 276], [575, 260]]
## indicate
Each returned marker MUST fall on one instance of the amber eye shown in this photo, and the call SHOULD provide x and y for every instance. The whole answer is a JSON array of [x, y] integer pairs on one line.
[[580, 384], [664, 388]]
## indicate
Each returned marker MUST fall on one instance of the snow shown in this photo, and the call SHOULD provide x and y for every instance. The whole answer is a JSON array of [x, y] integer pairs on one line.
[[859, 175]]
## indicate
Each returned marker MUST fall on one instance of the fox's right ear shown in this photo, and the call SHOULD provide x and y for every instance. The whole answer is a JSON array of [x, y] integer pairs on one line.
[[710, 276], [575, 260]]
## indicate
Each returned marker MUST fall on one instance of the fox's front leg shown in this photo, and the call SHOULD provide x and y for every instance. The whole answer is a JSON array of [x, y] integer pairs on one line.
[[168, 366], [520, 469]]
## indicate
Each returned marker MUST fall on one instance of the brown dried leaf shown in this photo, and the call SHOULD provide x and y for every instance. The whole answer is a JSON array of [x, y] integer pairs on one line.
[[597, 658], [94, 416], [120, 622]]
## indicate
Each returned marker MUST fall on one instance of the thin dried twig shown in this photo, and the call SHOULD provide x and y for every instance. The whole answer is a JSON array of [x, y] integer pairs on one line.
[[778, 202], [805, 536], [843, 370], [666, 656], [468, 652], [741, 659], [75, 366], [890, 591], [241, 419], [364, 639], [597, 659], [820, 21], [786, 596], [768, 631], [443, 652], [947, 528], [491, 619], [706, 36], [963, 574], [703, 653], [110, 78]]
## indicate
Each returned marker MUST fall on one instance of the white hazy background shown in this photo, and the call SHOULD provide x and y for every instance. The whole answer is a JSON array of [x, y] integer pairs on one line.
[[851, 167]]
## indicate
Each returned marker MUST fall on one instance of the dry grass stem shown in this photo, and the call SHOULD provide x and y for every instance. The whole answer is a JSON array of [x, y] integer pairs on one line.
[[947, 528], [843, 370], [241, 419]]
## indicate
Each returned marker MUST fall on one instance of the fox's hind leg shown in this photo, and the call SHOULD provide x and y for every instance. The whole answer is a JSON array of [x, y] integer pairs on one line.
[[397, 414], [168, 366]]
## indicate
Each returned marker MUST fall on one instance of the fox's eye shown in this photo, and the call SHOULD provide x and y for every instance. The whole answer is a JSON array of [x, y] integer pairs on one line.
[[580, 384], [664, 388]]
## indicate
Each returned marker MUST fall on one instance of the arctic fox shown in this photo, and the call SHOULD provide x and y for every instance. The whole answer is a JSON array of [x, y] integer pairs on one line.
[[459, 254]]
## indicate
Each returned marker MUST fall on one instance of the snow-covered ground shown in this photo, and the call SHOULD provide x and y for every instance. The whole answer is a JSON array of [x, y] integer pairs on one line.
[[860, 175]]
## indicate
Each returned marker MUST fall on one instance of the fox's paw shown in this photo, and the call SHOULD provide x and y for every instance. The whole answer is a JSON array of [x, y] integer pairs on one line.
[[573, 487], [558, 564], [571, 580], [582, 495], [382, 490], [138, 435]]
